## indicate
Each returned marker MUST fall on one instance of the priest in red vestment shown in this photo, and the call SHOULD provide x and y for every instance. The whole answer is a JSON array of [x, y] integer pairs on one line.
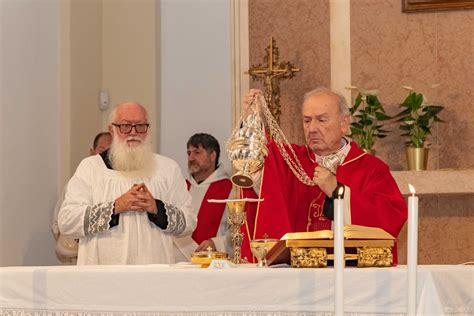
[[207, 180], [330, 160], [301, 198]]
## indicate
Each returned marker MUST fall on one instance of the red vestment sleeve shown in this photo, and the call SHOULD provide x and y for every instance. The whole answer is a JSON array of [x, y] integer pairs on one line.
[[289, 205], [375, 198], [286, 200], [210, 214]]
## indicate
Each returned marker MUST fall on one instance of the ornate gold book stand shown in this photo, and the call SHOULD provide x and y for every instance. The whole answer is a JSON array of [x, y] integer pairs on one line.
[[365, 246]]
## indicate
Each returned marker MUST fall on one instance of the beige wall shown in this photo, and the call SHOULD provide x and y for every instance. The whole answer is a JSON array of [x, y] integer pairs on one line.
[[29, 131], [301, 31], [85, 77], [129, 60], [80, 72], [106, 45], [389, 49]]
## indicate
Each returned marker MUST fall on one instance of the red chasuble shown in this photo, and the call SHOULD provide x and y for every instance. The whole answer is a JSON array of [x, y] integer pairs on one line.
[[210, 214], [291, 206]]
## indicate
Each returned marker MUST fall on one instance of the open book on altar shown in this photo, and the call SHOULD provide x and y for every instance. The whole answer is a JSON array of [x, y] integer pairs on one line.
[[355, 237], [350, 232]]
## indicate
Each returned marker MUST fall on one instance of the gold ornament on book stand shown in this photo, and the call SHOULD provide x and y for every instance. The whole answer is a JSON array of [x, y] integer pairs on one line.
[[315, 249]]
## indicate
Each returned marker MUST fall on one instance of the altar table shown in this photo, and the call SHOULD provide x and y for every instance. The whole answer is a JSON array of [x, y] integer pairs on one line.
[[148, 290]]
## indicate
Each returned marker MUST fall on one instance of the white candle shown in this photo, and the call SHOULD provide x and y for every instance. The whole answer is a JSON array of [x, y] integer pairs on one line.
[[339, 254], [412, 252]]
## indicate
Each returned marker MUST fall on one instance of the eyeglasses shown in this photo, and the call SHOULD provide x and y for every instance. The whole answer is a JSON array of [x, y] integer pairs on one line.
[[127, 128]]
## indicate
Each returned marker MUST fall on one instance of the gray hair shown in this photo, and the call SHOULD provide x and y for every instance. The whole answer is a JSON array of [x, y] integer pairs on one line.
[[341, 100], [113, 113]]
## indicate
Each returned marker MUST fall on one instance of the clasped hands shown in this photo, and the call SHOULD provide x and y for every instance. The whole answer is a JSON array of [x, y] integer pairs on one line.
[[325, 179], [138, 199]]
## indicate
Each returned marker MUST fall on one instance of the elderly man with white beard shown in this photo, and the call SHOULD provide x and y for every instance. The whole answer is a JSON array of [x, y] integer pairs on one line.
[[126, 203]]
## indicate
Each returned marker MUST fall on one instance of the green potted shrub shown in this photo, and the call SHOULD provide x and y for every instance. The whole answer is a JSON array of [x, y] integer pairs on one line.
[[416, 119], [367, 114]]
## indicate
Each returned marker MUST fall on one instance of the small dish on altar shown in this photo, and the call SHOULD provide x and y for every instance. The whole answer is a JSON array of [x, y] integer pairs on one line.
[[204, 258]]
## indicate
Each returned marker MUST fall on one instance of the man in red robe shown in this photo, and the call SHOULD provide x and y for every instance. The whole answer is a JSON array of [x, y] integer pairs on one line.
[[207, 180], [301, 198], [293, 204]]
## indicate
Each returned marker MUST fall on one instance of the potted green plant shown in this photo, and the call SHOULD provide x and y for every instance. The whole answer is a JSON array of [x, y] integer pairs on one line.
[[367, 113], [416, 119]]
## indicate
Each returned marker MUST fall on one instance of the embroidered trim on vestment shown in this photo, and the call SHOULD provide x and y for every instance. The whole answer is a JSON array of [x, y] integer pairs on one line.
[[223, 311], [349, 161], [97, 218], [332, 161], [176, 219]]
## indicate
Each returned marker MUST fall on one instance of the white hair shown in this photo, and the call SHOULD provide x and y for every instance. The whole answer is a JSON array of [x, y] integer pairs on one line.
[[113, 113], [341, 100]]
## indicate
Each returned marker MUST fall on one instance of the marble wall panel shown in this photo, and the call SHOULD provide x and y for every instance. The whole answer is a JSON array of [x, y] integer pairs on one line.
[[444, 232], [455, 66], [301, 31], [390, 49]]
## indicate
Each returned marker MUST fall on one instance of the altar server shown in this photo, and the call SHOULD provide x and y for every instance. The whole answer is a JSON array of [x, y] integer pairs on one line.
[[126, 204]]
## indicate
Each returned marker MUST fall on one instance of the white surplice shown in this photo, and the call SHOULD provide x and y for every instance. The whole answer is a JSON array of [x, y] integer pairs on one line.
[[88, 207]]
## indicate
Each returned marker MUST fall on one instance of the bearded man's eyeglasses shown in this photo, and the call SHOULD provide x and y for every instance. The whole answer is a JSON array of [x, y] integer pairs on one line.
[[127, 128]]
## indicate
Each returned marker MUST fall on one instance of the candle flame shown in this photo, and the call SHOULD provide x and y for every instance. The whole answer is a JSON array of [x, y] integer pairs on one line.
[[341, 191], [412, 189]]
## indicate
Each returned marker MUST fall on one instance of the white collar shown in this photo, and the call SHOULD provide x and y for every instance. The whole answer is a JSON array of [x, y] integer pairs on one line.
[[217, 175], [332, 161]]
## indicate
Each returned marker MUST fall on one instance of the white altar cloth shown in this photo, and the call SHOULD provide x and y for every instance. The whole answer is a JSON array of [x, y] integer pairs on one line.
[[171, 290]]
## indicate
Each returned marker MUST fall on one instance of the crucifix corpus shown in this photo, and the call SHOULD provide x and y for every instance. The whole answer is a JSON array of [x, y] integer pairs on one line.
[[271, 74]]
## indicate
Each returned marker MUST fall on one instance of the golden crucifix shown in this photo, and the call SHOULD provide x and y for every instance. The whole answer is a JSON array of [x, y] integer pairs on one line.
[[271, 74]]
